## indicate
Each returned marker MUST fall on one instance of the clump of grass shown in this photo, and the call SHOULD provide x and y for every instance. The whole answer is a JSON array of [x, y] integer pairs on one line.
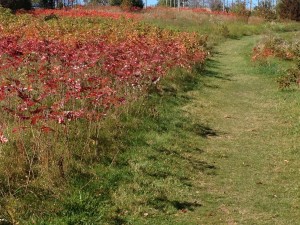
[[272, 45], [291, 78], [282, 47]]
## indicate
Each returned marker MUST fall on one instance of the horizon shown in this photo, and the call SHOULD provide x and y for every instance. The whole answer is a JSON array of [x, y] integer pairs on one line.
[[154, 2]]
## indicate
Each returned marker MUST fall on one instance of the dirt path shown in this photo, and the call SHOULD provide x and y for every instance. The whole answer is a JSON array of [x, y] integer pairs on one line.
[[256, 149]]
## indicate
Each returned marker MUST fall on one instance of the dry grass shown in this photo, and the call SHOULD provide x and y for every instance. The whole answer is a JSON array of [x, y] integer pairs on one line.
[[255, 20], [186, 15]]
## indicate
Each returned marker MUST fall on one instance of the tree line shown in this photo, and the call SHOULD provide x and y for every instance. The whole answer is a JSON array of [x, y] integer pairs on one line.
[[268, 9]]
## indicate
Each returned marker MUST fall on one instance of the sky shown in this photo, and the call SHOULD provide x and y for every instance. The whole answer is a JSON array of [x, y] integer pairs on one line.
[[151, 2], [154, 2]]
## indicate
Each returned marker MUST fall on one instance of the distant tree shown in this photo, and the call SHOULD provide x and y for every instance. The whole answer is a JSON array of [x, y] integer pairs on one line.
[[16, 4], [115, 2], [138, 3], [166, 3], [289, 9], [265, 10], [239, 8], [216, 5], [97, 2], [162, 2], [50, 4], [127, 4]]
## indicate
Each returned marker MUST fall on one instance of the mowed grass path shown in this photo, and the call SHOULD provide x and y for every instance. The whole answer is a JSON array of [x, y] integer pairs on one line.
[[256, 148]]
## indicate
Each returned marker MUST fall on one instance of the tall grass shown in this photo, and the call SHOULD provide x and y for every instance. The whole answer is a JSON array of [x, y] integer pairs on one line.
[[63, 102], [48, 171], [72, 163], [217, 27]]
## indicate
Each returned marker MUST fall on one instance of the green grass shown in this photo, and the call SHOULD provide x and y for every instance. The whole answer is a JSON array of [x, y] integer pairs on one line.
[[218, 146], [150, 177], [256, 153], [218, 28]]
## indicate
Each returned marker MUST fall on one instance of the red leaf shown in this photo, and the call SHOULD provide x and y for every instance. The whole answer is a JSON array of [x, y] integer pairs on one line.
[[46, 129], [35, 119]]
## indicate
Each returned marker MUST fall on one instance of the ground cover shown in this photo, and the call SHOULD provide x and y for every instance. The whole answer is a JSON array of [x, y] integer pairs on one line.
[[284, 47], [190, 146], [60, 76], [217, 27], [220, 148]]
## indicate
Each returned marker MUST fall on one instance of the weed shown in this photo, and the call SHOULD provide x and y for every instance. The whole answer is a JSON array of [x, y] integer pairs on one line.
[[291, 77]]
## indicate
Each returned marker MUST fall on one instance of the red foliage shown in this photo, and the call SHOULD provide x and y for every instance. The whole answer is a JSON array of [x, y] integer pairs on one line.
[[83, 13], [262, 54], [196, 10], [63, 81]]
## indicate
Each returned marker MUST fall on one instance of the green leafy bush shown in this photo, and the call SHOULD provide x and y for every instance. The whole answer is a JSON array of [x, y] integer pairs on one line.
[[47, 4], [115, 2], [292, 77], [289, 9], [127, 4], [16, 4], [276, 46]]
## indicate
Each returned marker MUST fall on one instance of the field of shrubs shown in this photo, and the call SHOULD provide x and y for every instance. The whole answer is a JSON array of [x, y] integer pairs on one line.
[[67, 75], [62, 73], [56, 70]]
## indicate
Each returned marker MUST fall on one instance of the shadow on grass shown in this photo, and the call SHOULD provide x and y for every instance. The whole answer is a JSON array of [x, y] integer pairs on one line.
[[211, 73], [119, 221], [161, 203], [185, 205], [4, 221], [234, 37], [202, 166], [212, 68], [212, 62], [198, 165], [203, 130], [159, 174]]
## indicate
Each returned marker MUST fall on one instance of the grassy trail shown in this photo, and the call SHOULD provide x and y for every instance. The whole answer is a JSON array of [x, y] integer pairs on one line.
[[255, 151]]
